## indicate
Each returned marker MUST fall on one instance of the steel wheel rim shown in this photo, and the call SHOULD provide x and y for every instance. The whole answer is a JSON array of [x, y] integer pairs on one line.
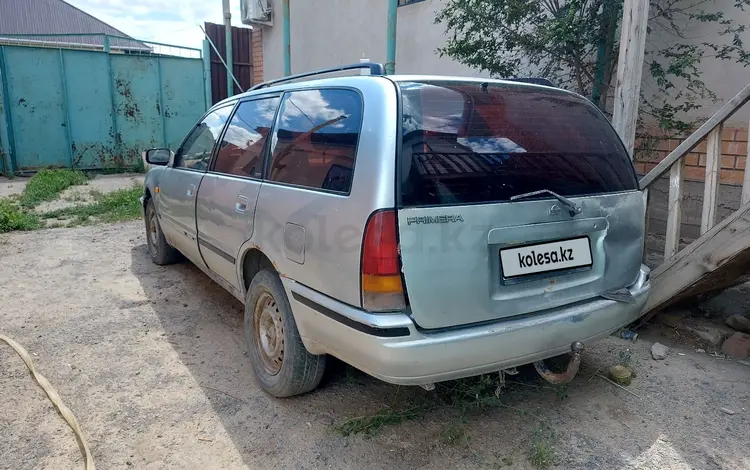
[[268, 333], [153, 234]]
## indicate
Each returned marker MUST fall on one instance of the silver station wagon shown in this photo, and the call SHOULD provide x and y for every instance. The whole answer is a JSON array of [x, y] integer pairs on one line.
[[419, 228]]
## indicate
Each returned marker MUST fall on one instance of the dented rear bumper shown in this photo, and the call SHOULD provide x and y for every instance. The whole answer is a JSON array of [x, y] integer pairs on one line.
[[393, 349]]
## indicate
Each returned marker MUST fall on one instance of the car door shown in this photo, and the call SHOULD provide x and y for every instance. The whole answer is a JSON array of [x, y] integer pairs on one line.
[[178, 185], [225, 208], [304, 213]]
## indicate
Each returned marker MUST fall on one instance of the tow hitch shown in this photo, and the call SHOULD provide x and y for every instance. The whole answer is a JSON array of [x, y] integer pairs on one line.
[[576, 348]]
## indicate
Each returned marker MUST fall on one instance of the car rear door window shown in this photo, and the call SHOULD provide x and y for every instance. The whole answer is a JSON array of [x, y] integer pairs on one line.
[[195, 152], [316, 140], [241, 150], [468, 142]]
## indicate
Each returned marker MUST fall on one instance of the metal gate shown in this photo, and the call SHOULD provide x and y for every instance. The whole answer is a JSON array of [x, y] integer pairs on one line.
[[94, 109]]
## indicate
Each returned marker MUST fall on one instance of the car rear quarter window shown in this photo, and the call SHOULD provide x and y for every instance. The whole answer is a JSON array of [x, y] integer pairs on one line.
[[468, 142], [241, 150], [316, 139]]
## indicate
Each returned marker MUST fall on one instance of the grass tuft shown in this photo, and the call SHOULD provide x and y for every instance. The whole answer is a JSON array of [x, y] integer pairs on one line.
[[116, 206], [465, 396], [13, 218], [46, 185], [541, 452], [369, 425]]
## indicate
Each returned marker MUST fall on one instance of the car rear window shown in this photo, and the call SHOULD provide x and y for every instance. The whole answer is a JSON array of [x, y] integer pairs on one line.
[[468, 142]]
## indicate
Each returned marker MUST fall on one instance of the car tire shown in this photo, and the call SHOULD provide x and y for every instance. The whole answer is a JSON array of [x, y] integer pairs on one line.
[[281, 362], [160, 251]]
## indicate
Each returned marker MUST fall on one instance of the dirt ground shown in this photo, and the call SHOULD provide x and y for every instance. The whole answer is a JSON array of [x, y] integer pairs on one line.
[[12, 187], [153, 363]]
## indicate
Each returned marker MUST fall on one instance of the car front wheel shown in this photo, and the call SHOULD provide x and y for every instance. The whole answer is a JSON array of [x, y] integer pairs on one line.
[[160, 251]]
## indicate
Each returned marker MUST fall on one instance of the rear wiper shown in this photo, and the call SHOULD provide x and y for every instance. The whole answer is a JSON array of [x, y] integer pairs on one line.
[[572, 207]]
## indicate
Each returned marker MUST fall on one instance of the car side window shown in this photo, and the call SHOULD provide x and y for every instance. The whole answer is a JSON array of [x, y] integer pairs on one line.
[[241, 150], [195, 152], [315, 144]]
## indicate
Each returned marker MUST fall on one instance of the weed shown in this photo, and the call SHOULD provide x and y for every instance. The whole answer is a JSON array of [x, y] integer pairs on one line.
[[75, 197], [371, 424], [541, 453], [136, 167], [455, 433], [561, 391], [500, 461], [116, 206], [471, 393], [13, 218], [46, 185], [97, 195]]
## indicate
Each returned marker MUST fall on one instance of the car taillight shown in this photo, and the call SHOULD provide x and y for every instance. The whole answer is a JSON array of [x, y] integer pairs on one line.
[[382, 289]]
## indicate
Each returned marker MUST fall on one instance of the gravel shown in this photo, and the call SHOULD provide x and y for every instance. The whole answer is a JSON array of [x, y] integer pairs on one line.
[[156, 384]]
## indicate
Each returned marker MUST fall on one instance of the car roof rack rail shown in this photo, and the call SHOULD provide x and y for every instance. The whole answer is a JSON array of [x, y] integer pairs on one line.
[[532, 80], [374, 67]]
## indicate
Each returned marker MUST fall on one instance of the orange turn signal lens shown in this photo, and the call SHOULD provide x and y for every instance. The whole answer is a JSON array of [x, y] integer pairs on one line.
[[382, 284]]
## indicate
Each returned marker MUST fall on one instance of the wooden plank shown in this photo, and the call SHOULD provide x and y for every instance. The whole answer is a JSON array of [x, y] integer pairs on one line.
[[711, 188], [674, 208], [696, 137], [714, 261], [647, 214], [746, 182], [629, 70]]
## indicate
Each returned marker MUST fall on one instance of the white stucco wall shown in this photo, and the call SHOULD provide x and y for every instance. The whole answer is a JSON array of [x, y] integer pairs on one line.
[[723, 77], [326, 33]]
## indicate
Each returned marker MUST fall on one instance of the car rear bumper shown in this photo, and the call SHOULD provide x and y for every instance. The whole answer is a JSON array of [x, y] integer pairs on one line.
[[393, 349]]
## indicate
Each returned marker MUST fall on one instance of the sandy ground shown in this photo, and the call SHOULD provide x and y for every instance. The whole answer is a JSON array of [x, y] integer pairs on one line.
[[152, 361], [12, 187]]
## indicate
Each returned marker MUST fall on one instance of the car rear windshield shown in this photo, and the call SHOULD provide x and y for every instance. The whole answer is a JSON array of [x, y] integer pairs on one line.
[[473, 142]]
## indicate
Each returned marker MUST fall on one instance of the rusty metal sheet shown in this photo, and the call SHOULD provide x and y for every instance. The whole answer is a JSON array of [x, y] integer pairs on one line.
[[182, 104], [37, 104], [138, 117], [92, 109]]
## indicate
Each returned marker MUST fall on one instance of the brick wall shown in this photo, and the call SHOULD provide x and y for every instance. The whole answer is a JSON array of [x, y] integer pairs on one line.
[[257, 54], [651, 151]]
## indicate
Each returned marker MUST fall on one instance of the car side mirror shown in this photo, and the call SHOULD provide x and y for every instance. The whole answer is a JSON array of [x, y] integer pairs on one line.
[[158, 156]]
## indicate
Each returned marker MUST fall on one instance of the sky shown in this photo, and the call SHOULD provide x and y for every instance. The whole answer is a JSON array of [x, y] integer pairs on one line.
[[168, 21]]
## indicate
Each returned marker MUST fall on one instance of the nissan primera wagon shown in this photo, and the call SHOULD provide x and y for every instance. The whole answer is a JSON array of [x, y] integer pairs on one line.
[[419, 228]]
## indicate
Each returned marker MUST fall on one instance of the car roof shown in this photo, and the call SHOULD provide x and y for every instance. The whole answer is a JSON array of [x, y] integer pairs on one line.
[[352, 80]]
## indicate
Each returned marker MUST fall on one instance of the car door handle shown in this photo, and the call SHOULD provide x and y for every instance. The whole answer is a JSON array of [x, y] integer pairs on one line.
[[191, 190], [241, 204]]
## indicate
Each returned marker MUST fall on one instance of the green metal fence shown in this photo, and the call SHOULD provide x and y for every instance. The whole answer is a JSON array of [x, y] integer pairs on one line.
[[93, 101]]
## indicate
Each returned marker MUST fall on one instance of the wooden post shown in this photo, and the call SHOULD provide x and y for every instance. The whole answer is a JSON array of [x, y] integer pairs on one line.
[[711, 188], [645, 224], [674, 214], [630, 70], [746, 182]]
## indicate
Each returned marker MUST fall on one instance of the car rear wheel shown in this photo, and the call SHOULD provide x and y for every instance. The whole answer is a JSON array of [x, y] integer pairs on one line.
[[160, 251], [283, 366]]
